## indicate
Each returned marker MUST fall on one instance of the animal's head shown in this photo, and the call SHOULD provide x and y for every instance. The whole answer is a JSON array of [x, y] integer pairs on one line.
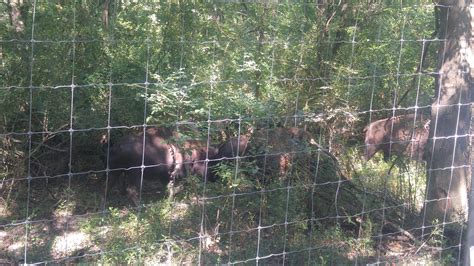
[[199, 162]]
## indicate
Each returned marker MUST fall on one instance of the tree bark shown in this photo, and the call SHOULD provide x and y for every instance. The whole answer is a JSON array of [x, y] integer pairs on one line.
[[448, 167], [16, 20], [469, 246]]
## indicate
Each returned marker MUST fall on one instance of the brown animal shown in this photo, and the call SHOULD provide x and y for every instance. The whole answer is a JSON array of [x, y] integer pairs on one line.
[[400, 135], [195, 155], [274, 149], [166, 155]]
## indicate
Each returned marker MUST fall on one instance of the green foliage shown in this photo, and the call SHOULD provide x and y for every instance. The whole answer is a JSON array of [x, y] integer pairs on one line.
[[171, 101], [91, 66], [249, 59], [402, 180]]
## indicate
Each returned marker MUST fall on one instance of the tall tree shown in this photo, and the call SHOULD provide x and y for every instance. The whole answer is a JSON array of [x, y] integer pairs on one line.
[[469, 245], [448, 154]]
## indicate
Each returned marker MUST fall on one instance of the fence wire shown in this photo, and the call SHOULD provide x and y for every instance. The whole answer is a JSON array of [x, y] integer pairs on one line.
[[227, 132]]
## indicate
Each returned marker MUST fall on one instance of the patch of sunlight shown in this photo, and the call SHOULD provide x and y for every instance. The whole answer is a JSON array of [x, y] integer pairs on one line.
[[69, 244], [15, 247], [179, 210], [65, 209]]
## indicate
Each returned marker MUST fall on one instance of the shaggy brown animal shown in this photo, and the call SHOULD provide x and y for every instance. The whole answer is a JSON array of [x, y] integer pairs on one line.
[[166, 155], [275, 150], [400, 135]]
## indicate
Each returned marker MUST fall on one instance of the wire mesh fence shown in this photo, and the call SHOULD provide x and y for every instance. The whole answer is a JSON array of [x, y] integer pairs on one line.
[[234, 132]]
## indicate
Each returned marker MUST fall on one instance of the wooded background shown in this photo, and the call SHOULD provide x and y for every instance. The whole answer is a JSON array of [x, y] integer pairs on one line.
[[74, 72]]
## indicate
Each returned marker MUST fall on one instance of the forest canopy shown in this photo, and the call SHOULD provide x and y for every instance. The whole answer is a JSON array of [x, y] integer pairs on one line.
[[226, 60]]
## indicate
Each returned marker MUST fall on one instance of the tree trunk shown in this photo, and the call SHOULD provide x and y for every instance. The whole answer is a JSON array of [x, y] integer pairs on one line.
[[469, 246], [448, 167], [16, 20]]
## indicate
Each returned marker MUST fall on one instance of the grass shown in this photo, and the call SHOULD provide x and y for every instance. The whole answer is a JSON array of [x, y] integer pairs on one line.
[[241, 218]]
